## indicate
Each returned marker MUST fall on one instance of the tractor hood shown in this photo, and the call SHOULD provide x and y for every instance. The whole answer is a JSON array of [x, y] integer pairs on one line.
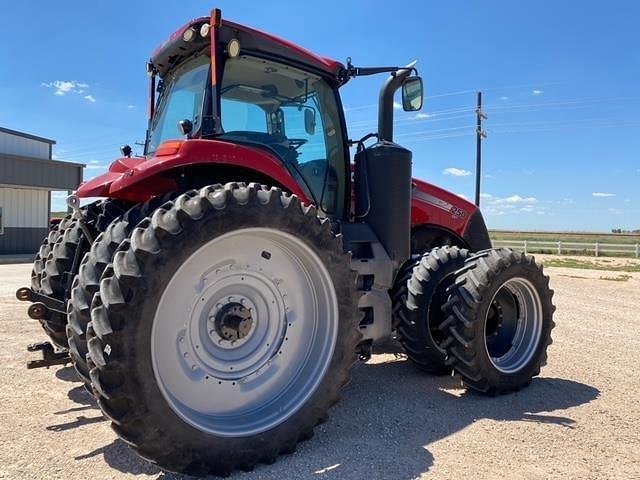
[[138, 179]]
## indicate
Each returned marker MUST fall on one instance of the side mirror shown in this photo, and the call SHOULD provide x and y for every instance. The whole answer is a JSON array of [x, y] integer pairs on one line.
[[310, 121], [412, 94], [185, 126], [125, 150]]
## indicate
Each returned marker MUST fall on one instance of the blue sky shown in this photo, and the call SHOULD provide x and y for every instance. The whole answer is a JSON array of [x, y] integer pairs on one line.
[[560, 81]]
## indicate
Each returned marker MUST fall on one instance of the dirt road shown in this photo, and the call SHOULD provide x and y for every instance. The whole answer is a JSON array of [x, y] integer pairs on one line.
[[579, 420]]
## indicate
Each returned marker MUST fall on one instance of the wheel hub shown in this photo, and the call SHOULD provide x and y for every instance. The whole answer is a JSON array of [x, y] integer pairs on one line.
[[513, 325], [233, 322]]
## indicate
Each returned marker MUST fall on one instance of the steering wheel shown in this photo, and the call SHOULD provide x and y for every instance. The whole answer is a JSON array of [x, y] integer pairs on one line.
[[296, 143]]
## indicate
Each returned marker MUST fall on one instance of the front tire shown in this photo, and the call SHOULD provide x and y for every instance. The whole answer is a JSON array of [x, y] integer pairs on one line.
[[225, 329], [499, 321], [420, 313]]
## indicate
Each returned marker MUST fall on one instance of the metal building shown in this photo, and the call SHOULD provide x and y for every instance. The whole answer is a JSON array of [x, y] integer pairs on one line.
[[28, 174]]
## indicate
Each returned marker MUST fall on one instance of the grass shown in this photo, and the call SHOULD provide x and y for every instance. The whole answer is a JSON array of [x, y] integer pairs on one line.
[[618, 278], [589, 265]]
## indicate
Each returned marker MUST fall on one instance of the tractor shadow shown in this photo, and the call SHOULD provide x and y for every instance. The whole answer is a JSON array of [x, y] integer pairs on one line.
[[84, 399], [388, 417]]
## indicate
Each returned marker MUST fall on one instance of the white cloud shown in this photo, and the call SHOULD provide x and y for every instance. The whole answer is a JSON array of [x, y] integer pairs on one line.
[[397, 105], [90, 98], [62, 87], [493, 211], [421, 115], [456, 172], [504, 98], [603, 194], [94, 165], [130, 106], [614, 211], [515, 199], [514, 204], [537, 92], [488, 175]]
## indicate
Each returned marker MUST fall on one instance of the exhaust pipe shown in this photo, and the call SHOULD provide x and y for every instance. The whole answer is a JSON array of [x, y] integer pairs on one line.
[[385, 108]]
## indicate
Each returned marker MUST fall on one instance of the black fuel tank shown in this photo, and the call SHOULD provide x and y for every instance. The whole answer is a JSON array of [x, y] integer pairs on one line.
[[383, 195]]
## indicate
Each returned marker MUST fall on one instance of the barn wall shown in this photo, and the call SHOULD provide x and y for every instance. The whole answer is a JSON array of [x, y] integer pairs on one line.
[[20, 145], [25, 219]]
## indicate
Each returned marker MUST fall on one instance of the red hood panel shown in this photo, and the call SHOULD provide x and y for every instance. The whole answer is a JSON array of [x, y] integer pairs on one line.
[[433, 205], [138, 179]]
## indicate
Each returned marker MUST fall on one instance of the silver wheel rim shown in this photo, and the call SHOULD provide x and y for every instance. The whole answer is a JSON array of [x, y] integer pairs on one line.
[[513, 325], [244, 332]]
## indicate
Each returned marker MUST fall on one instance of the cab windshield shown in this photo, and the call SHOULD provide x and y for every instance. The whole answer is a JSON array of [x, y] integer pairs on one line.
[[181, 97], [292, 113]]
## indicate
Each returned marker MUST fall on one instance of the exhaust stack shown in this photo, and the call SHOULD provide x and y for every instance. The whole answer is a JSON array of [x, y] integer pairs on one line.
[[385, 108]]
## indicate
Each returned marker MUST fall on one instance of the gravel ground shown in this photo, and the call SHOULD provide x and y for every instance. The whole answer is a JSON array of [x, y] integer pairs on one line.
[[578, 420]]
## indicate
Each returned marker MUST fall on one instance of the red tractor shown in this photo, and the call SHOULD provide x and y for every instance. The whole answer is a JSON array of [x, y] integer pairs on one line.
[[215, 301]]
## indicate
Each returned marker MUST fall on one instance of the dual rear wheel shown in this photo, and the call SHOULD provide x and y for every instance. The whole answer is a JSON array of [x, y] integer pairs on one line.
[[487, 316]]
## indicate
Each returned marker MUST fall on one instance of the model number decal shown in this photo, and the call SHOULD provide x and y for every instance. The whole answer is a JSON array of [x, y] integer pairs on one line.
[[456, 212]]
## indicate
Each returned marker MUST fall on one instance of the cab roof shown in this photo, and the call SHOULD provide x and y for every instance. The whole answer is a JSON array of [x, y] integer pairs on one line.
[[175, 49]]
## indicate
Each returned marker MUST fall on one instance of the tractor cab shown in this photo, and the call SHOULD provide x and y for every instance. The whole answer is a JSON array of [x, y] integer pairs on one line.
[[253, 89]]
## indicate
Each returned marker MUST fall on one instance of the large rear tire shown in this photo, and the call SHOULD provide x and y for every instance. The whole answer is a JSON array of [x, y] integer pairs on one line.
[[420, 313], [57, 261], [53, 323], [499, 321], [225, 329], [87, 282]]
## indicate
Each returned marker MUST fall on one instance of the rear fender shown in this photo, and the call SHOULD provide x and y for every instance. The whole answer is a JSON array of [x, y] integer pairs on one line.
[[434, 206], [138, 179]]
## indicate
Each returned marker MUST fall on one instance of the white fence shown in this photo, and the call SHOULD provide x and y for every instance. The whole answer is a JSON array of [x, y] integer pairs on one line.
[[559, 247]]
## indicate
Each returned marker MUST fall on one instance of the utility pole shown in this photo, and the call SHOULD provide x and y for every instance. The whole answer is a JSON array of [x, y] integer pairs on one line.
[[480, 134]]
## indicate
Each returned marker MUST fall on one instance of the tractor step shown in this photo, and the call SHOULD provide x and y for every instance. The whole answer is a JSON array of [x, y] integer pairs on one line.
[[50, 356]]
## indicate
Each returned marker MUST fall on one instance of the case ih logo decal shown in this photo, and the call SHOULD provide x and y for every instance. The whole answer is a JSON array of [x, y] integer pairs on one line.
[[455, 212]]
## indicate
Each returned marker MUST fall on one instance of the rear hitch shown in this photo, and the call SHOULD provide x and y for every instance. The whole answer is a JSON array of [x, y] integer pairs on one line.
[[50, 356], [37, 310], [41, 303]]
